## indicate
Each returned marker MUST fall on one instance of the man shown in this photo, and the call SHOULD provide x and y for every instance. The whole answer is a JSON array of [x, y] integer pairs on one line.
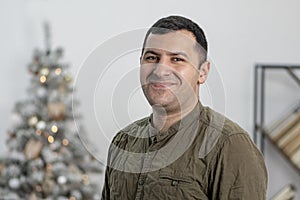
[[183, 150]]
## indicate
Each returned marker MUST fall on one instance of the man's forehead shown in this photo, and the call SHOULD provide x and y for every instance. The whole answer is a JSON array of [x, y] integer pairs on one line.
[[172, 41]]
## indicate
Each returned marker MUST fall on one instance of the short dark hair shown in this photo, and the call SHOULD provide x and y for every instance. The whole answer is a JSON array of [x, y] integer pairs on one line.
[[176, 23]]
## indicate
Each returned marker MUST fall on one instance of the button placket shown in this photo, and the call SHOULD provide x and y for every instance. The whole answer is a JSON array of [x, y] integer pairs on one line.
[[146, 166]]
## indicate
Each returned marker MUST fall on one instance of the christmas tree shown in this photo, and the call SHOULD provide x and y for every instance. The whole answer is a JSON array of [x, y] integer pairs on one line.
[[45, 158]]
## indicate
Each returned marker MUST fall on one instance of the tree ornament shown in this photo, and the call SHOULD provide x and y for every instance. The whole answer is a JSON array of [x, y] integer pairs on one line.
[[56, 111], [32, 121], [62, 180], [44, 71], [41, 125], [68, 78], [14, 183], [33, 149], [48, 186]]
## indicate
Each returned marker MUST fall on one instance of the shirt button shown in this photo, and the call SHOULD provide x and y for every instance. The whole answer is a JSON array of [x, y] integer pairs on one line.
[[174, 183], [141, 182]]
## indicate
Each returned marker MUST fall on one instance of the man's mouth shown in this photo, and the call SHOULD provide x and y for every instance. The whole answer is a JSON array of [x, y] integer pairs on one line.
[[161, 84]]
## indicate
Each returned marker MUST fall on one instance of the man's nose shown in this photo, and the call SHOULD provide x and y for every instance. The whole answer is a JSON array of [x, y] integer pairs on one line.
[[162, 67]]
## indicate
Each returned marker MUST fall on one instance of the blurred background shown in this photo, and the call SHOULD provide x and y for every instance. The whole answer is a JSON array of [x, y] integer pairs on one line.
[[240, 34]]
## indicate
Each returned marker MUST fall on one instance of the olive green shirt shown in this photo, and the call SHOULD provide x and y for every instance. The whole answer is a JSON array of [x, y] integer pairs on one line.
[[203, 156]]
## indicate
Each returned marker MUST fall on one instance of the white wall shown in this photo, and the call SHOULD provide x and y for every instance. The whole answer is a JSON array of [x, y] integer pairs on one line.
[[240, 34]]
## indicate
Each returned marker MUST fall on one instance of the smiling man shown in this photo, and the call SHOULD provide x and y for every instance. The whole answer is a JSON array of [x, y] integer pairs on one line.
[[183, 150]]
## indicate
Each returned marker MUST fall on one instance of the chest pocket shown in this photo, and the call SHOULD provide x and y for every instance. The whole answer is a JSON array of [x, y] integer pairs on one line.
[[175, 180], [175, 186]]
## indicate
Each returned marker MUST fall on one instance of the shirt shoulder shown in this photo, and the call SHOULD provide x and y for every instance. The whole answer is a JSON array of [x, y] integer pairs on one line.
[[220, 123], [218, 131], [133, 130]]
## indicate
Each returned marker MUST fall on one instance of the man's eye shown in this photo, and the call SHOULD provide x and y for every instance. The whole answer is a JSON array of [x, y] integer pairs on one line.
[[151, 58], [176, 59]]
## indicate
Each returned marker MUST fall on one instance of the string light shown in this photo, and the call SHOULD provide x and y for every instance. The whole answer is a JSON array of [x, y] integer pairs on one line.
[[51, 139], [54, 129], [68, 78], [65, 142], [38, 132], [43, 79], [32, 121], [58, 71], [85, 179], [44, 71]]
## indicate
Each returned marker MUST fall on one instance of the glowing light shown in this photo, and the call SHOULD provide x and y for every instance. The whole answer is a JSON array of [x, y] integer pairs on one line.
[[44, 71], [85, 179], [38, 132], [54, 129], [68, 78], [32, 121], [43, 79], [58, 71], [65, 142], [51, 139]]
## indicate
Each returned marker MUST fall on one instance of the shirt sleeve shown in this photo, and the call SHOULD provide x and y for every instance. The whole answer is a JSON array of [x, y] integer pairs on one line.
[[239, 170], [105, 189]]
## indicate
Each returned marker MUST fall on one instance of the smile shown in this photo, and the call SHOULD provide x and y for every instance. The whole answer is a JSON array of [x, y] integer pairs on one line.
[[161, 85]]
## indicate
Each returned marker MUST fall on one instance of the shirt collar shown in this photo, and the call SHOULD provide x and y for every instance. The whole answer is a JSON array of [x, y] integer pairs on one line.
[[154, 134]]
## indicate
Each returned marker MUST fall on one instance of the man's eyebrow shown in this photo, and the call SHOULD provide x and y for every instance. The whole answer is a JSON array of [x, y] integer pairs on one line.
[[179, 53], [170, 53], [152, 52]]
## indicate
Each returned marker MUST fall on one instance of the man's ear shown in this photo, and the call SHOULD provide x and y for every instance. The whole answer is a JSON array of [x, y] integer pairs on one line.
[[203, 72]]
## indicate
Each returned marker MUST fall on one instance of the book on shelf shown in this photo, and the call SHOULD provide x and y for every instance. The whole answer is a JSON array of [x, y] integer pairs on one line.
[[290, 135], [293, 144], [295, 157], [286, 193], [279, 128]]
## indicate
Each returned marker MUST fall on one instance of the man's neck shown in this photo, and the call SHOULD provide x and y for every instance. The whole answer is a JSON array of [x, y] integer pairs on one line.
[[162, 120]]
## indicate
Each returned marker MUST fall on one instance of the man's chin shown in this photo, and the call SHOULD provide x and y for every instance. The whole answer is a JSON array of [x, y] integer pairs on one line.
[[160, 103]]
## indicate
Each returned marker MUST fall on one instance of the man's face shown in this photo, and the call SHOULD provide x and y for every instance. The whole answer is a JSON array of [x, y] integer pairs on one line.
[[169, 74]]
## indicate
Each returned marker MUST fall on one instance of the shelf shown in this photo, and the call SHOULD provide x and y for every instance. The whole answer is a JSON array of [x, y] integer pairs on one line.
[[260, 133], [280, 151]]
